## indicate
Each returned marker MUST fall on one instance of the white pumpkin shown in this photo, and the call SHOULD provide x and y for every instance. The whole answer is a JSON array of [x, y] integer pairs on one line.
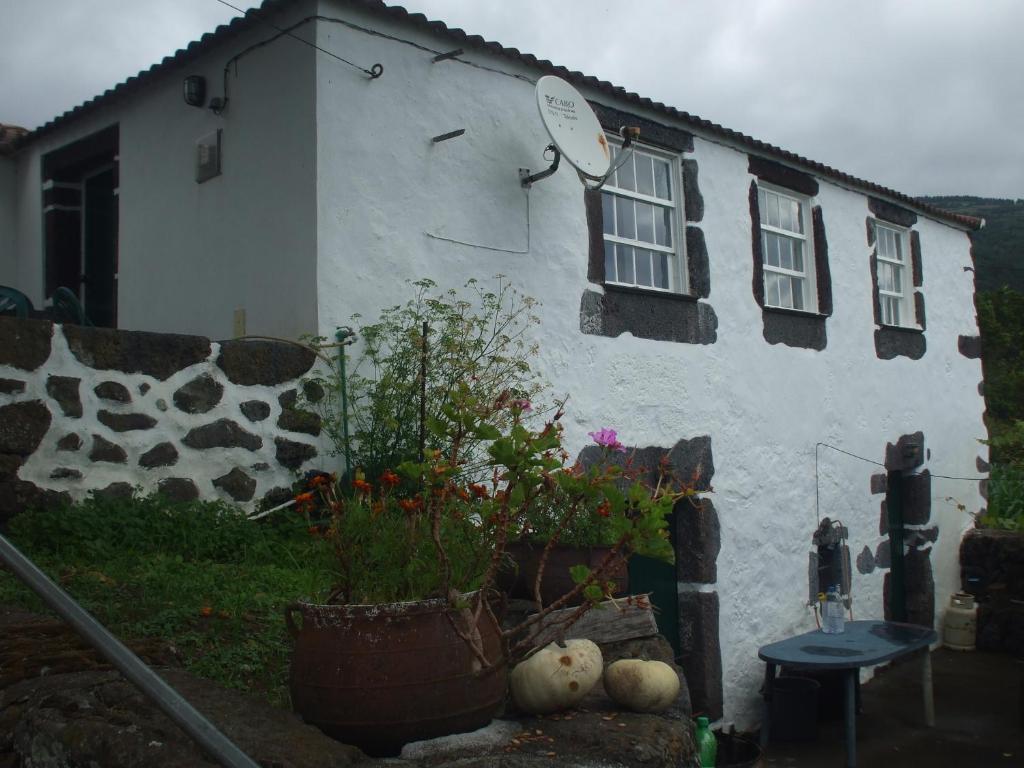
[[556, 678], [642, 686]]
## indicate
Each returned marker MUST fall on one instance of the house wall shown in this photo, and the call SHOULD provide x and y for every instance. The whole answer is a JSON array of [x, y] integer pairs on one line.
[[191, 254], [8, 208], [763, 405]]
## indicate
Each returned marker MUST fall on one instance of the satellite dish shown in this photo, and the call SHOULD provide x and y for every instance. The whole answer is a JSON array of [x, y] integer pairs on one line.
[[573, 127]]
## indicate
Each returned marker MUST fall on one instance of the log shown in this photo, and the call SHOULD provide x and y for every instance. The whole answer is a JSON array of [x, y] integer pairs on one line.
[[609, 621]]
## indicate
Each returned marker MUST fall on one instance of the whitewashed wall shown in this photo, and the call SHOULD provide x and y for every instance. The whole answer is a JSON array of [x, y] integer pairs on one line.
[[191, 254], [384, 192], [8, 207]]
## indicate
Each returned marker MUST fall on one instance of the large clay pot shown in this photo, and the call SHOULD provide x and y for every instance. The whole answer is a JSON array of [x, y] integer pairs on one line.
[[380, 676], [557, 581]]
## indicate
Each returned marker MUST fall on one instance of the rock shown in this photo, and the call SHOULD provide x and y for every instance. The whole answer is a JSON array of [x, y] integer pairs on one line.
[[20, 495], [11, 386], [23, 426], [144, 388], [126, 422], [222, 433], [162, 455], [295, 419], [70, 442], [96, 718], [64, 389], [291, 454], [255, 410], [115, 491], [238, 485], [24, 344], [104, 450], [65, 473], [199, 395], [263, 362], [111, 390], [155, 354], [9, 465], [178, 489], [312, 391], [275, 497]]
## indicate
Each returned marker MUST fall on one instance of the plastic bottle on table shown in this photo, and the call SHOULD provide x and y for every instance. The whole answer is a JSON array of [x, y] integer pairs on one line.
[[832, 612], [707, 746]]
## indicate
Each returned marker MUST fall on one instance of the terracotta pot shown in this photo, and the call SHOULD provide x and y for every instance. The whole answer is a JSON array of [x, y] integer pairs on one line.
[[518, 582], [380, 676]]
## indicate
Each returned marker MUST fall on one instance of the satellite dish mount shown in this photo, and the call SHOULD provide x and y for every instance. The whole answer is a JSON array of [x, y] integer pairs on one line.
[[577, 134]]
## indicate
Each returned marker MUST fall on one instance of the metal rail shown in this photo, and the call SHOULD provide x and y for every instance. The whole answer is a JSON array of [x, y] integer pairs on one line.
[[171, 703]]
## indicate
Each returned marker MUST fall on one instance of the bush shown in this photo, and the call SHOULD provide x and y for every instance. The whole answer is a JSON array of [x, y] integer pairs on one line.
[[1005, 498]]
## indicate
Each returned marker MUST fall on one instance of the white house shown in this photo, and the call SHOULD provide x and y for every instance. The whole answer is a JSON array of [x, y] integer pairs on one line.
[[748, 306]]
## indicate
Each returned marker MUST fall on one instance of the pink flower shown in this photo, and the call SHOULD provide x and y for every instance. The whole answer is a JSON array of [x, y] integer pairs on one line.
[[522, 405], [607, 438]]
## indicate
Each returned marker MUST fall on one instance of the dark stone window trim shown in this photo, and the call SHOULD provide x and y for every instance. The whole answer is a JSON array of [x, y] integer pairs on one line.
[[893, 341], [792, 327], [645, 313], [652, 133], [782, 175]]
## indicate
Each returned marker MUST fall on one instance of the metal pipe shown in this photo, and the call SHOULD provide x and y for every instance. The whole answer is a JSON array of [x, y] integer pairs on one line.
[[170, 702], [344, 337]]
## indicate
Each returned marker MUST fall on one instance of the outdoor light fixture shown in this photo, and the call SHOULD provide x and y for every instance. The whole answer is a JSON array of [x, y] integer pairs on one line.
[[195, 90]]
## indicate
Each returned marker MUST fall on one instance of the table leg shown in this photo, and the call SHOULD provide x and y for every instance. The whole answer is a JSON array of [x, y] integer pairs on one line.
[[851, 717], [929, 694], [769, 681]]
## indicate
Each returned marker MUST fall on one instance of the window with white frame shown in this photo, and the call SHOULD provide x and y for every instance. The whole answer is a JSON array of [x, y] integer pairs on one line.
[[786, 250], [894, 295], [641, 231]]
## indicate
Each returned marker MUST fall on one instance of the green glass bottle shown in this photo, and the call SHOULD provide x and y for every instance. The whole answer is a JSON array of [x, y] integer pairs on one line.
[[707, 746]]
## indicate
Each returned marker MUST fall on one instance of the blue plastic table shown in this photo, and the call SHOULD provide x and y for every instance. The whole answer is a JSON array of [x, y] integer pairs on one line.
[[862, 644]]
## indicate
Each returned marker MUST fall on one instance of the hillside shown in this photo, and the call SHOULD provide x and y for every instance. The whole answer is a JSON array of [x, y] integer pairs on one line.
[[999, 246]]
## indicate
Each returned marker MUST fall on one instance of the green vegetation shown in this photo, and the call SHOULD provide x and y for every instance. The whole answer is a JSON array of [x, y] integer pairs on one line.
[[999, 245], [200, 576], [999, 260]]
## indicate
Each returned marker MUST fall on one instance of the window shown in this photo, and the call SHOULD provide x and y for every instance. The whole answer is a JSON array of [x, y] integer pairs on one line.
[[893, 291], [786, 249], [641, 232]]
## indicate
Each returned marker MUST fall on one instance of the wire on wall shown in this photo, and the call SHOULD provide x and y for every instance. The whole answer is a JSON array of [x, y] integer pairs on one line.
[[817, 513]]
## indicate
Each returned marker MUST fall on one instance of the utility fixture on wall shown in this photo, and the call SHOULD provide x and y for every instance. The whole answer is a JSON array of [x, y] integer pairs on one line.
[[575, 133], [195, 90]]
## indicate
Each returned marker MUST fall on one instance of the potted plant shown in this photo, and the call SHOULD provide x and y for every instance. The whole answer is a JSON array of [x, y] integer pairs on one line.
[[409, 643]]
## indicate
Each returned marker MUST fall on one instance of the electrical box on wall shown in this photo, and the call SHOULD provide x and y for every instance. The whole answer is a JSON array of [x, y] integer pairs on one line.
[[208, 156]]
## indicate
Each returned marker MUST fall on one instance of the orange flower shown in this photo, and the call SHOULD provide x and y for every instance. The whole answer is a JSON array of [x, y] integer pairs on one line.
[[479, 490], [604, 509], [361, 485], [389, 478], [303, 498]]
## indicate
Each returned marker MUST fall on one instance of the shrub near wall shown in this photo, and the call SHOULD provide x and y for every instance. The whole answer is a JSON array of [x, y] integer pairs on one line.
[[98, 410]]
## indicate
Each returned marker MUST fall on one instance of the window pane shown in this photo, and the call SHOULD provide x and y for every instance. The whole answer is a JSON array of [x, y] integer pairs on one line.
[[798, 216], [625, 218], [897, 246], [771, 289], [762, 205], [624, 263], [625, 175], [785, 253], [645, 222], [798, 292], [643, 267], [609, 261], [770, 245], [798, 255], [660, 276], [644, 174], [662, 180], [785, 214], [663, 226], [896, 279], [885, 281], [608, 212], [785, 292]]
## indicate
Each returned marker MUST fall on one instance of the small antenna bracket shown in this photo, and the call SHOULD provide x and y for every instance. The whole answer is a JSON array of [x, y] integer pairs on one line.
[[527, 180], [628, 134]]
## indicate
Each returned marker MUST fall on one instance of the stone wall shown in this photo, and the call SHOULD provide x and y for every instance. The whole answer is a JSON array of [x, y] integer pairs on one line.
[[97, 410], [992, 569]]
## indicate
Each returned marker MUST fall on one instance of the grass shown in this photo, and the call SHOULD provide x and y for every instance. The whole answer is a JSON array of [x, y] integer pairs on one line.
[[197, 575]]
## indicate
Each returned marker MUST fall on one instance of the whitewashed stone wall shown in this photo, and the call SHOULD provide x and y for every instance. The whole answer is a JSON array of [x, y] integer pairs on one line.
[[95, 410]]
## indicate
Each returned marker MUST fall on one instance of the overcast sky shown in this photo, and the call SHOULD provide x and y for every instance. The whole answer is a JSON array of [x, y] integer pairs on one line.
[[925, 96]]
